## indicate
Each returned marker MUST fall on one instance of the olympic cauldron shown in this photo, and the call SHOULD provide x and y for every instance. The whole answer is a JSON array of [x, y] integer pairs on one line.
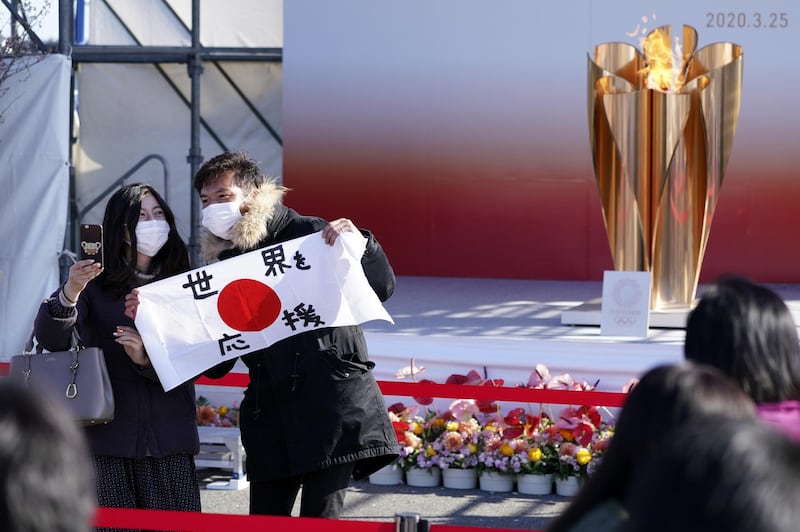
[[661, 127]]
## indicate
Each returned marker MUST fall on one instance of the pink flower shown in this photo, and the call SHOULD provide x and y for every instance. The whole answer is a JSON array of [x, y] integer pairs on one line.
[[567, 449], [452, 441], [463, 409], [601, 445]]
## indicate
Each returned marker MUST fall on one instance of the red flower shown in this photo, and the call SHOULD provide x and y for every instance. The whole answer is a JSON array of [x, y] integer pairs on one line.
[[515, 417], [396, 408], [488, 407], [512, 432], [583, 433], [590, 412], [473, 377], [425, 401], [400, 428]]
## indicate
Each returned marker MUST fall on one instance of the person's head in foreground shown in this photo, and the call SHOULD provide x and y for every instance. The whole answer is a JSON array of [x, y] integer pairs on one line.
[[722, 474], [45, 470], [665, 398], [747, 331]]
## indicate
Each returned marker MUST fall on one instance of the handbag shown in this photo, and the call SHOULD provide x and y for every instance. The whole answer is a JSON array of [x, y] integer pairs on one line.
[[77, 378]]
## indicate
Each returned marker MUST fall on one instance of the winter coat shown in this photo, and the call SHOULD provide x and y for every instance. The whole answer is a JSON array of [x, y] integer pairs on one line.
[[312, 401], [147, 420]]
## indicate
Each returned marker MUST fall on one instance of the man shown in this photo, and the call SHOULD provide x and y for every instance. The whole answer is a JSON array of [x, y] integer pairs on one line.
[[312, 415]]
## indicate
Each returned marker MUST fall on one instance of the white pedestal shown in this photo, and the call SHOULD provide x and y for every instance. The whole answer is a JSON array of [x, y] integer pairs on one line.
[[221, 447], [589, 314]]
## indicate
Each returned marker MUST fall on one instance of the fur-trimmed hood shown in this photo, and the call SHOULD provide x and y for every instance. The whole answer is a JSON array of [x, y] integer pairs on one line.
[[251, 229]]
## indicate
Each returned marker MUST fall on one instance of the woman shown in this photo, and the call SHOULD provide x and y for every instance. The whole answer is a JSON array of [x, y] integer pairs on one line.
[[747, 331], [144, 458], [731, 475], [667, 397]]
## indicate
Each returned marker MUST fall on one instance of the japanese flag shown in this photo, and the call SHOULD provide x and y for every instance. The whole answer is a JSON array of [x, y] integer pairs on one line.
[[196, 320]]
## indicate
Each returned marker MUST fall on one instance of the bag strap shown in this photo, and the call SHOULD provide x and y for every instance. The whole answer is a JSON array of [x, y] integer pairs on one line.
[[72, 388], [74, 343], [29, 345]]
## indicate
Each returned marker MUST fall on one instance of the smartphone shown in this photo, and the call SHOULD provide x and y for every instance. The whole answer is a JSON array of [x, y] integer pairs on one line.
[[91, 246]]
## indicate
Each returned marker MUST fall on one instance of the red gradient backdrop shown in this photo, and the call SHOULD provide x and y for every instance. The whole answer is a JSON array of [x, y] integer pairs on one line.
[[463, 144]]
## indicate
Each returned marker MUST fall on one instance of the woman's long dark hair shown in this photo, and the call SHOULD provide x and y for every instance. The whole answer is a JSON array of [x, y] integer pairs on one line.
[[122, 211], [747, 331], [666, 397]]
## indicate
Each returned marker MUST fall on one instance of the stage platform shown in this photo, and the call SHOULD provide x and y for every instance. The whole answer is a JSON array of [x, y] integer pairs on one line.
[[505, 327], [500, 328]]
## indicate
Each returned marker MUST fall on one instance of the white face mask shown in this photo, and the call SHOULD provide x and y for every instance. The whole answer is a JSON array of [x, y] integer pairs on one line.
[[151, 235], [219, 218]]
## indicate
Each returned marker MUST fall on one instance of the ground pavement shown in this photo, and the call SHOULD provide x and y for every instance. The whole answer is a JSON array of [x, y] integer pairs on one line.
[[369, 502]]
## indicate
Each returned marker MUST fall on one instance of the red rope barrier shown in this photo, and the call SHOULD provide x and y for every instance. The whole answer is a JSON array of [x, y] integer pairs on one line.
[[453, 391], [231, 379], [127, 518], [497, 393], [463, 391], [206, 522]]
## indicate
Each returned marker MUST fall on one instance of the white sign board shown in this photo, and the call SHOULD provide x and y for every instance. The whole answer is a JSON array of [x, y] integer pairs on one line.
[[625, 308]]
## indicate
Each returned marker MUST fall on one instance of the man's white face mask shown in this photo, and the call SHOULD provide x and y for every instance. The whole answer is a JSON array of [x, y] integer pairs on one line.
[[220, 218], [151, 235]]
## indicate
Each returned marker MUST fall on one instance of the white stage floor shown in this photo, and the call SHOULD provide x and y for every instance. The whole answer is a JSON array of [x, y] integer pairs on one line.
[[503, 328], [452, 325]]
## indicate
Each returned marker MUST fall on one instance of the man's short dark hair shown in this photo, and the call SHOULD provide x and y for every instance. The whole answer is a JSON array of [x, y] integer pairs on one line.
[[247, 173]]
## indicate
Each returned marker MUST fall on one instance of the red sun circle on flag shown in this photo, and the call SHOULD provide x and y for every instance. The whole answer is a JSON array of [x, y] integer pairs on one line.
[[248, 305]]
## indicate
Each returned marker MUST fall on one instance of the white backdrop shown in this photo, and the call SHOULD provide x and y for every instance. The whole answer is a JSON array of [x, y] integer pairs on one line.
[[34, 158]]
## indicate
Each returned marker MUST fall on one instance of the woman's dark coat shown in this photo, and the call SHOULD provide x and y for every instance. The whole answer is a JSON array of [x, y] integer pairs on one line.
[[147, 420]]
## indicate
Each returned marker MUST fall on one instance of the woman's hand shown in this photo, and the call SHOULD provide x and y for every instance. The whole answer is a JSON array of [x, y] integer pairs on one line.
[[130, 340], [80, 274], [132, 304]]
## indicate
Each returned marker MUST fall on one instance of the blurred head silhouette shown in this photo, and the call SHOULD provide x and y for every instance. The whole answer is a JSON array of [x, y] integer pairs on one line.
[[46, 475]]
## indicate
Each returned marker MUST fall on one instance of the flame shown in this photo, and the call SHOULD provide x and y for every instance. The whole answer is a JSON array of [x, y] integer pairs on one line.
[[663, 66]]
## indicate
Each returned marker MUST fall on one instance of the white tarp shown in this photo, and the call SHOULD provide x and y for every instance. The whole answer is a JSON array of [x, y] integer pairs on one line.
[[34, 157], [130, 111]]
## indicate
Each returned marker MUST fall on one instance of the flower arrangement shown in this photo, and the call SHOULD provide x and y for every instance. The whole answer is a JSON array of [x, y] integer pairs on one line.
[[220, 416], [540, 457], [408, 428], [473, 434], [573, 436], [458, 445]]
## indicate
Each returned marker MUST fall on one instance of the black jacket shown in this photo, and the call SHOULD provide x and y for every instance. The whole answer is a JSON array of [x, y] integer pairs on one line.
[[312, 400]]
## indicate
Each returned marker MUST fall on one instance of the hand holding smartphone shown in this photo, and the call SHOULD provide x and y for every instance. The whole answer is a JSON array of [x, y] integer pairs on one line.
[[91, 243]]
